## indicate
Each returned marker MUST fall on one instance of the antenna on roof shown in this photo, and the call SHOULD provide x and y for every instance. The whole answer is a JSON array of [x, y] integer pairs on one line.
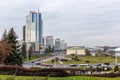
[[38, 10]]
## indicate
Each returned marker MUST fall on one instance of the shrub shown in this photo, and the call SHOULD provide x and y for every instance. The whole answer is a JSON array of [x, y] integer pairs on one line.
[[52, 60], [17, 70], [54, 72], [116, 68], [77, 59], [87, 61], [63, 59]]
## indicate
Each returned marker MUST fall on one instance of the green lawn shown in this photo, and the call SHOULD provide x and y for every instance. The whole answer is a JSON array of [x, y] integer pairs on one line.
[[50, 62], [3, 77], [92, 60], [41, 56]]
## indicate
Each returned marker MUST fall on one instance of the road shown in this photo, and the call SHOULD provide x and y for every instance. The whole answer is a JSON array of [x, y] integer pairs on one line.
[[32, 63], [61, 65]]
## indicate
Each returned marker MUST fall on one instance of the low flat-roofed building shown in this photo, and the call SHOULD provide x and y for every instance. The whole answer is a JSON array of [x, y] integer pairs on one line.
[[77, 50]]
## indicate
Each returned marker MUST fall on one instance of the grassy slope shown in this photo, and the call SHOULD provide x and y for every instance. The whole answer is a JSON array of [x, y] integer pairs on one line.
[[93, 60], [59, 78]]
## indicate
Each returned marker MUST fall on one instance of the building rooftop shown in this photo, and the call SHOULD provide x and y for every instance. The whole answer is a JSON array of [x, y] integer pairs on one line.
[[75, 47]]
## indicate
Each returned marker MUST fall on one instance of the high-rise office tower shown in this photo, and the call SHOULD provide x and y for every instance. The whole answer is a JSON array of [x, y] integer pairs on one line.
[[33, 28], [49, 41], [58, 44]]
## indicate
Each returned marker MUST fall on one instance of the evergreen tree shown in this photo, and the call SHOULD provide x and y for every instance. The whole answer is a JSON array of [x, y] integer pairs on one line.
[[24, 50], [4, 36], [49, 49], [16, 57], [30, 52]]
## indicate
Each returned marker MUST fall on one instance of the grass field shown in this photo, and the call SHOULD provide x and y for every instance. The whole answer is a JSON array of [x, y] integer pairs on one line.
[[3, 77], [41, 56], [92, 60]]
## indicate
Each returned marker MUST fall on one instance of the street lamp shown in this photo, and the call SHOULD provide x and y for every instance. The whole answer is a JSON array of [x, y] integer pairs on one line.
[[55, 61], [116, 60], [76, 54]]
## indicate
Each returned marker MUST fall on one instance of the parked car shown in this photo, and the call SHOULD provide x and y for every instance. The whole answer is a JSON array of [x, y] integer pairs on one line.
[[73, 65], [85, 66], [106, 65], [47, 65], [37, 63], [103, 65], [99, 66]]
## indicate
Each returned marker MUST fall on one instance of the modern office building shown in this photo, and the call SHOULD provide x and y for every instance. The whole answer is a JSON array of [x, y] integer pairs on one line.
[[32, 31], [60, 45], [44, 41], [57, 44], [63, 45], [49, 41], [33, 28]]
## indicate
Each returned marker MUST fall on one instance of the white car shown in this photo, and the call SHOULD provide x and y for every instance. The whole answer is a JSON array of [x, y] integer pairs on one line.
[[103, 65]]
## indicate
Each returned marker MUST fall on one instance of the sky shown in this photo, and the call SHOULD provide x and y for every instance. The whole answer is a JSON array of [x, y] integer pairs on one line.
[[78, 22]]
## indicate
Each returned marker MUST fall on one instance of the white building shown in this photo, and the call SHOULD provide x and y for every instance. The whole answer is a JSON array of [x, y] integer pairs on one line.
[[77, 50], [49, 41], [60, 45], [57, 44]]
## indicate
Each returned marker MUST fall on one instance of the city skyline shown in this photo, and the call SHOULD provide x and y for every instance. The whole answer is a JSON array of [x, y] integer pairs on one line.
[[87, 23]]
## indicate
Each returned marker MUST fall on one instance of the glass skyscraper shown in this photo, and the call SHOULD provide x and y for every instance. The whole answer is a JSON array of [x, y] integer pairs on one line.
[[33, 32]]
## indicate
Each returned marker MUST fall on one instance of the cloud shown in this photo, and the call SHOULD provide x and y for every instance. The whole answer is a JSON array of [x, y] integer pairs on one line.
[[78, 22]]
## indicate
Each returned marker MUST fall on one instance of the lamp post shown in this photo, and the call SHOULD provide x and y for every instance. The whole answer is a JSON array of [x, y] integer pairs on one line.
[[55, 61], [116, 60], [76, 54]]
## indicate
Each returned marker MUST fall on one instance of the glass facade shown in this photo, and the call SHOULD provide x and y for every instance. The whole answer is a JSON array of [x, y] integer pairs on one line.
[[34, 28]]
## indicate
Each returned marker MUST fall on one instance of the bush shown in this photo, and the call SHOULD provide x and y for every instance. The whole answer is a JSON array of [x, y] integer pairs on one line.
[[20, 71], [87, 61], [54, 72], [52, 60], [77, 59], [63, 59], [116, 68]]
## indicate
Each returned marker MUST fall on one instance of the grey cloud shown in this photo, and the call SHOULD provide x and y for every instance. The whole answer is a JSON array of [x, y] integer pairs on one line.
[[79, 22]]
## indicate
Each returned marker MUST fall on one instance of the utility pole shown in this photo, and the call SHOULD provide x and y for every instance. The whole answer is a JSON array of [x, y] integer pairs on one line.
[[76, 53], [116, 60]]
